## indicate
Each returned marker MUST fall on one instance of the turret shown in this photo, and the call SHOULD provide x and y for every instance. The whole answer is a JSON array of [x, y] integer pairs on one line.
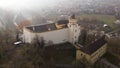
[[74, 29], [73, 19]]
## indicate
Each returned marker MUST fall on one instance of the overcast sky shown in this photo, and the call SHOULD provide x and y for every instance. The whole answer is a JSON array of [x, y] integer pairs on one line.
[[18, 4]]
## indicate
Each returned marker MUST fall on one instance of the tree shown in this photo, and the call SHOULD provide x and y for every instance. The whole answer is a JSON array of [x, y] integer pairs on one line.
[[38, 42], [82, 37]]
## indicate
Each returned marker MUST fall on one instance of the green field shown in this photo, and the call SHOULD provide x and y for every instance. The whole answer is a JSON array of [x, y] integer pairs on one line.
[[108, 19]]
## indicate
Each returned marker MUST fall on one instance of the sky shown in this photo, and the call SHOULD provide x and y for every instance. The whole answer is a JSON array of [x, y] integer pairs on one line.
[[19, 4]]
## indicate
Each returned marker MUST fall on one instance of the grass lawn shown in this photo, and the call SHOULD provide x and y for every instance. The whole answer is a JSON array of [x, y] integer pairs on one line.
[[108, 19]]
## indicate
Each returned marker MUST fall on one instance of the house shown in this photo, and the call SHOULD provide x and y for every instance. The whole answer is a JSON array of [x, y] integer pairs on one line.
[[93, 51], [55, 33]]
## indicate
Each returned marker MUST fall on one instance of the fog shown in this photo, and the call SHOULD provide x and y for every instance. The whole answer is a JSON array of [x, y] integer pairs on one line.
[[52, 9], [26, 4], [41, 4]]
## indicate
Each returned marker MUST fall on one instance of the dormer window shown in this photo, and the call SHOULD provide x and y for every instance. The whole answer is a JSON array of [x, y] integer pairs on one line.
[[49, 29]]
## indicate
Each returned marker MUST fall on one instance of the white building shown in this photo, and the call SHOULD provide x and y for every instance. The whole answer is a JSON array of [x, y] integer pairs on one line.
[[62, 31]]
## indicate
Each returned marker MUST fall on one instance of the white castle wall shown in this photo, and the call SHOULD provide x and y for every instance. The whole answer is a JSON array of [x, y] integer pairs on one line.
[[28, 36], [56, 36]]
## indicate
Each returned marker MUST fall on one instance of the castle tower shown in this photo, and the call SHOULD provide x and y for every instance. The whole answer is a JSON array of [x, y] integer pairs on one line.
[[74, 29]]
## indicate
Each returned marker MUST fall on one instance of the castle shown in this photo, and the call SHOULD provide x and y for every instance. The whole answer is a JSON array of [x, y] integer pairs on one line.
[[55, 33], [66, 31]]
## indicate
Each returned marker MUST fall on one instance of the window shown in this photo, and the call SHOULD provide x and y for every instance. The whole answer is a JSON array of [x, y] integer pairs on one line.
[[81, 54], [75, 43], [75, 30], [64, 40], [70, 25], [75, 37]]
